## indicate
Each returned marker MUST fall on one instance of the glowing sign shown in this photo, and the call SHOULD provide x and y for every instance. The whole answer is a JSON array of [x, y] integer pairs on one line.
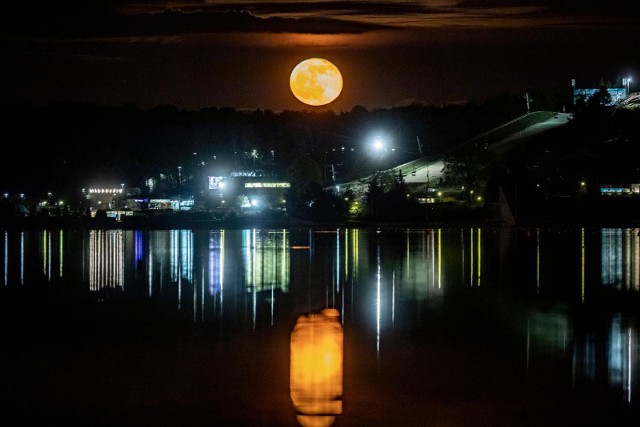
[[243, 173], [160, 204], [105, 190], [215, 182], [267, 185], [615, 190], [617, 94]]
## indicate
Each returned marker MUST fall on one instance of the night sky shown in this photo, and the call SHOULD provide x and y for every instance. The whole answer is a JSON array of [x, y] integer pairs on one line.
[[239, 54]]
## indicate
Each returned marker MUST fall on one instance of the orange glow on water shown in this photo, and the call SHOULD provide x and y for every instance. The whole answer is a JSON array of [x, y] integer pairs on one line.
[[316, 368]]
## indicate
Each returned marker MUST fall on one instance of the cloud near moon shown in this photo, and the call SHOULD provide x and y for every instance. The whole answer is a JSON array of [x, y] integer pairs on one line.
[[316, 81]]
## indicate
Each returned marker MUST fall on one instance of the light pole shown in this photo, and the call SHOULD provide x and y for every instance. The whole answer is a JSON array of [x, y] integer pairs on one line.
[[378, 143], [627, 82], [379, 149]]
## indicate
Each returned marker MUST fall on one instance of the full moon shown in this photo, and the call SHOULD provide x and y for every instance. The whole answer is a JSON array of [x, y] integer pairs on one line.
[[316, 81]]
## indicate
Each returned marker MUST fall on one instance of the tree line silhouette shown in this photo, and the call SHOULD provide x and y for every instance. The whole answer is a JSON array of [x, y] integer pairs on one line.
[[63, 147]]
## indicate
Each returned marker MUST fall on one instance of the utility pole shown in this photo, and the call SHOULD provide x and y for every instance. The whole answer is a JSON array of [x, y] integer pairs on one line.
[[526, 97], [626, 81], [426, 205], [428, 183]]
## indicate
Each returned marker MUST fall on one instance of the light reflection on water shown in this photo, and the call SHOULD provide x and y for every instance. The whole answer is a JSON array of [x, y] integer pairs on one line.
[[543, 289]]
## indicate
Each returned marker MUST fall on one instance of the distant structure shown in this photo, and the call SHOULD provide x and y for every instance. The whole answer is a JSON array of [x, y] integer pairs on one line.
[[617, 93]]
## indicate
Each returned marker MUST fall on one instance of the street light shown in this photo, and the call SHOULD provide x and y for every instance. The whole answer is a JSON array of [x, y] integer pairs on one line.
[[378, 144], [627, 82], [379, 149]]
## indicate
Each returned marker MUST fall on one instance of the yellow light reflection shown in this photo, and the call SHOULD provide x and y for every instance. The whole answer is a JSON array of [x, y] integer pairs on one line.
[[475, 250], [316, 368], [439, 258], [356, 254], [106, 259], [582, 265], [479, 254], [45, 253], [471, 257]]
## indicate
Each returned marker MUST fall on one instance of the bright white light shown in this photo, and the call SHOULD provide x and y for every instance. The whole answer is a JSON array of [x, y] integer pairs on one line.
[[245, 203], [254, 202], [378, 144]]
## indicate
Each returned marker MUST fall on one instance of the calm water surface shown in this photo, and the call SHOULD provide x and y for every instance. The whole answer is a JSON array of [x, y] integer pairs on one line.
[[451, 326]]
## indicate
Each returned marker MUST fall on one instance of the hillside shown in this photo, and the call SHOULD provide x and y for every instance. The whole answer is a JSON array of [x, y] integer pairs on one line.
[[559, 173]]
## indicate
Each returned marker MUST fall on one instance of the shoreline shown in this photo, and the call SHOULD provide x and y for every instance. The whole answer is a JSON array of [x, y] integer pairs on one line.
[[165, 223]]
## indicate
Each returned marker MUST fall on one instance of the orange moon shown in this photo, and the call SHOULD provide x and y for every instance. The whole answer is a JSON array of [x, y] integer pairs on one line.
[[316, 81]]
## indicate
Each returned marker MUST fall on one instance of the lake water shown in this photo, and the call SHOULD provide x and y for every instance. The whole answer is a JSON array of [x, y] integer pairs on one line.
[[441, 326]]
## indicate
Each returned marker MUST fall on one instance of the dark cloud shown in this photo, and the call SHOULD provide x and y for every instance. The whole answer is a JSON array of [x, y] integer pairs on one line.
[[343, 7], [106, 20], [119, 18], [625, 8]]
